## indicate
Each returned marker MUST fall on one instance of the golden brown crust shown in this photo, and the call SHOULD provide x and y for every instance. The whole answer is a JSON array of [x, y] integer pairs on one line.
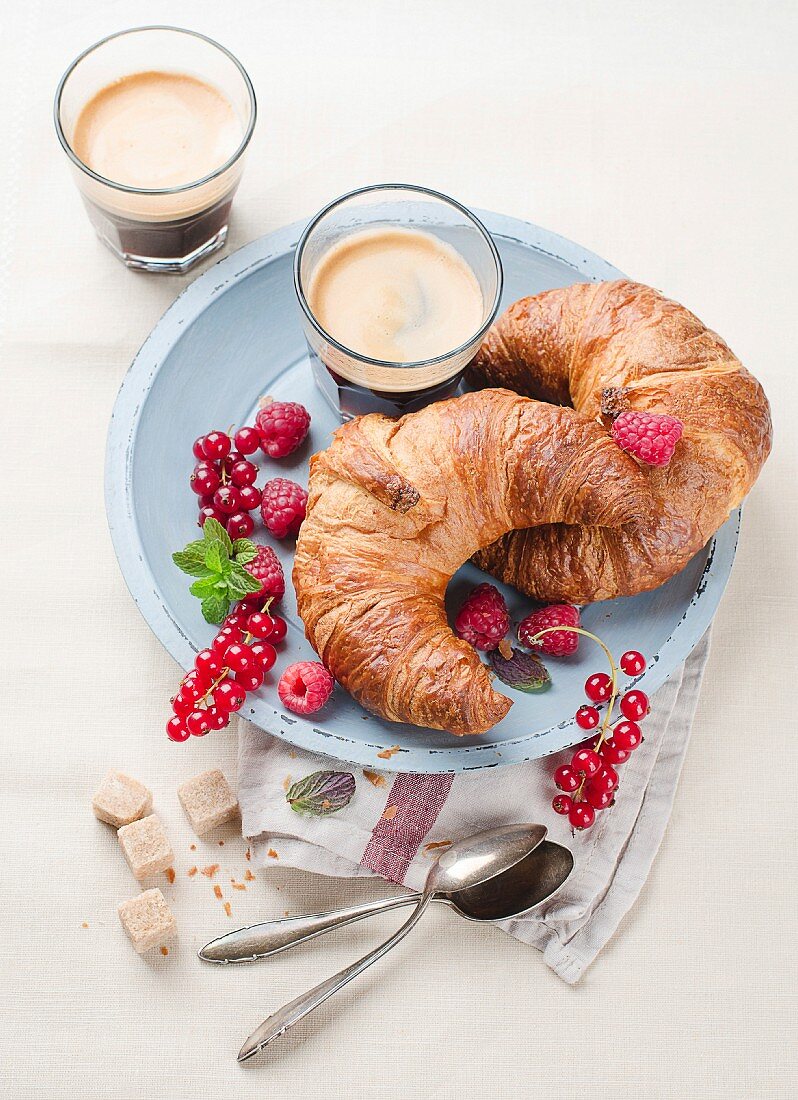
[[607, 347], [396, 507]]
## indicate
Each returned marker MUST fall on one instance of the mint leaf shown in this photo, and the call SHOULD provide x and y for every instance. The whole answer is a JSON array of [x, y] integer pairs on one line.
[[214, 532], [244, 551], [216, 557], [321, 793], [218, 565], [214, 608], [240, 583], [206, 586], [192, 559]]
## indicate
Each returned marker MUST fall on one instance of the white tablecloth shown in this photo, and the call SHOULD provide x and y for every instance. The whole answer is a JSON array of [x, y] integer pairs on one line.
[[661, 136]]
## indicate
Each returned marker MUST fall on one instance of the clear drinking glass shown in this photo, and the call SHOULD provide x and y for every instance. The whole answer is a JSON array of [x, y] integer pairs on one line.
[[157, 229], [353, 383]]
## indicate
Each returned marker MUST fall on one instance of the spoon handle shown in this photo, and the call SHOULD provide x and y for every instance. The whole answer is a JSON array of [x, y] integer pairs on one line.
[[297, 1009], [259, 941]]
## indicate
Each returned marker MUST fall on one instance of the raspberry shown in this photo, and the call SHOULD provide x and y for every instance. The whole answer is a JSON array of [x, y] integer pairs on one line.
[[283, 507], [265, 567], [648, 437], [483, 619], [559, 643], [282, 426], [305, 687]]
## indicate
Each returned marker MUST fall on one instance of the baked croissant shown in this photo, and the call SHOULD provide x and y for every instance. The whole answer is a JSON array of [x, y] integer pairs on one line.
[[395, 507], [605, 348]]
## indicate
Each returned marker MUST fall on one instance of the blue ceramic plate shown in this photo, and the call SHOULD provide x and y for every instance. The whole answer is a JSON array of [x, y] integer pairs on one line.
[[234, 335]]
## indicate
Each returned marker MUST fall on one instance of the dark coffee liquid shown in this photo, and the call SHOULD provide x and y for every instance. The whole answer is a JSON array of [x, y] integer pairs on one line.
[[351, 400], [165, 245]]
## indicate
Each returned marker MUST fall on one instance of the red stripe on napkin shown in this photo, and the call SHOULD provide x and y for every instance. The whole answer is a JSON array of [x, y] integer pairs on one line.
[[410, 812]]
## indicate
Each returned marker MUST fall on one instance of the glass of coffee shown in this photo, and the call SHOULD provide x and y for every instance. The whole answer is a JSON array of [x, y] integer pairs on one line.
[[155, 122], [397, 285]]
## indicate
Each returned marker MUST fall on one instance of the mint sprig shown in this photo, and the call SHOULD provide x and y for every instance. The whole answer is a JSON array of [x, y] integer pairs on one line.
[[218, 564]]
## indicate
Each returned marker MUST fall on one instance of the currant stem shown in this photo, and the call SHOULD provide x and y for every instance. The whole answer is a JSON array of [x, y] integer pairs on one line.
[[613, 675]]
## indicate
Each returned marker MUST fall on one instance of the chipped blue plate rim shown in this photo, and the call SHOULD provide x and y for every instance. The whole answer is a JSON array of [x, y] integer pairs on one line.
[[233, 335]]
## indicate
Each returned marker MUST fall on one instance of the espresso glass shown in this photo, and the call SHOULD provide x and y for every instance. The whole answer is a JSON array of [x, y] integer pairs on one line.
[[353, 383], [157, 229]]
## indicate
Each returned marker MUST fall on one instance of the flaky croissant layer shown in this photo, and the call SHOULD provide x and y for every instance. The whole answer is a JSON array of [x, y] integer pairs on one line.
[[610, 347], [397, 506]]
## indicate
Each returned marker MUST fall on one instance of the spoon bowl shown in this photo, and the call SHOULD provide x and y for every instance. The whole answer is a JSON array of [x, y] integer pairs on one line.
[[472, 876]]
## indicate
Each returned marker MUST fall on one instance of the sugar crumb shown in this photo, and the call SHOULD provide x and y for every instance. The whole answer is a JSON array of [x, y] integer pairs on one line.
[[192, 871], [389, 813], [210, 870], [170, 875], [374, 778], [164, 950], [218, 891], [228, 908], [272, 854], [85, 924], [248, 876]]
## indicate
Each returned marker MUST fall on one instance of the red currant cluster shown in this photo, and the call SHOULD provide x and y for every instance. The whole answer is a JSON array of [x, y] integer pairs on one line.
[[235, 663], [224, 480], [589, 781]]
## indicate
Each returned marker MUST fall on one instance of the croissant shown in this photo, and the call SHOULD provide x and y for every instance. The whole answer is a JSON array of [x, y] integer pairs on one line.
[[395, 507], [605, 348]]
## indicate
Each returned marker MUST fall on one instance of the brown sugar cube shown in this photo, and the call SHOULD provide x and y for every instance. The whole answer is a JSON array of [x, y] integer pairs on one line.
[[208, 801], [147, 920], [146, 847], [120, 800]]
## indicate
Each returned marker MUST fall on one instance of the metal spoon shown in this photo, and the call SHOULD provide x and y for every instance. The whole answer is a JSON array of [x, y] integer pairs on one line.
[[470, 863], [521, 887]]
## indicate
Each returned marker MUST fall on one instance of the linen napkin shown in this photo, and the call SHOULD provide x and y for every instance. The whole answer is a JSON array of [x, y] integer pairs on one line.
[[397, 823]]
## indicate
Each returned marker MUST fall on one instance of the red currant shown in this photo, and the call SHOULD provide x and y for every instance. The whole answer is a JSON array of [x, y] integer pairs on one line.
[[587, 718], [250, 497], [204, 479], [279, 630], [598, 687], [598, 798], [216, 444], [192, 687], [261, 624], [226, 637], [606, 779], [240, 525], [562, 803], [229, 696], [265, 653], [613, 753], [182, 705], [627, 735], [566, 778], [231, 460], [634, 705], [199, 449], [227, 499], [209, 512], [243, 473], [197, 723], [587, 761], [581, 816], [217, 718], [250, 681], [176, 729], [235, 619], [208, 664], [632, 662], [247, 440], [239, 658]]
